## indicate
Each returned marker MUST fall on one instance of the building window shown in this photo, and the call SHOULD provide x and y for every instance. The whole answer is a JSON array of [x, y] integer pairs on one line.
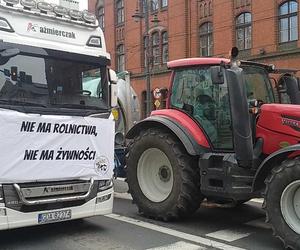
[[164, 3], [155, 48], [288, 21], [243, 31], [120, 58], [101, 17], [165, 47], [120, 11], [154, 5], [206, 39]]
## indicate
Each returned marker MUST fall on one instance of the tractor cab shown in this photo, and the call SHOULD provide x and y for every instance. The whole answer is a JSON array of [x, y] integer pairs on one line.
[[202, 91]]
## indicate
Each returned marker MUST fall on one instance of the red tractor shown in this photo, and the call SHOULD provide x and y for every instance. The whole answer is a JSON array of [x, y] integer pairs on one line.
[[222, 138]]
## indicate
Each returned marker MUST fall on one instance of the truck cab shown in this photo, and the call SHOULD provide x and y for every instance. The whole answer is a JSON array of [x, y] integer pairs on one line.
[[57, 139]]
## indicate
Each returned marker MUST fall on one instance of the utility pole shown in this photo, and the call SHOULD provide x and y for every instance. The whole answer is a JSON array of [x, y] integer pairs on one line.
[[138, 15]]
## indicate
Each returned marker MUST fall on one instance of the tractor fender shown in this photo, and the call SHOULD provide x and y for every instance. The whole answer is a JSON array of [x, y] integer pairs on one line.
[[190, 144], [269, 163]]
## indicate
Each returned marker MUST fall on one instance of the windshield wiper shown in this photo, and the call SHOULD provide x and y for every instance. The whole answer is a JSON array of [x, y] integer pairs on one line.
[[78, 106], [22, 103]]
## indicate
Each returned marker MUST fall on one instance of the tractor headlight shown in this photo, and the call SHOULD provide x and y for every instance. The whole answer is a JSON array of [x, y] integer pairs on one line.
[[105, 184]]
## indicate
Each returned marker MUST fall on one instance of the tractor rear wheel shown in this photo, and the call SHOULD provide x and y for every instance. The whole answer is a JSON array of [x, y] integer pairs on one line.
[[163, 179], [282, 202]]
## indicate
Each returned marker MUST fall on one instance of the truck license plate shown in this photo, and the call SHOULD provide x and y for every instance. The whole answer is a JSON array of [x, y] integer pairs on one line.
[[54, 216]]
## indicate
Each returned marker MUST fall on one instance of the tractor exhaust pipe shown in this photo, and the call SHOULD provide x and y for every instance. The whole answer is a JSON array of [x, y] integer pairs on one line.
[[242, 133]]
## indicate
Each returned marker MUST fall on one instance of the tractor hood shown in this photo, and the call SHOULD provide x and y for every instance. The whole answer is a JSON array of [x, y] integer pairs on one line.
[[281, 118]]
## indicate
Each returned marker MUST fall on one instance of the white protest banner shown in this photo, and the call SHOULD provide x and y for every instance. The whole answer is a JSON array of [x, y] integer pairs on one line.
[[46, 147]]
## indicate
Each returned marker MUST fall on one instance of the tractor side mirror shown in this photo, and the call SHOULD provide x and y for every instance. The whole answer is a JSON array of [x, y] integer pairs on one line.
[[217, 75], [234, 53]]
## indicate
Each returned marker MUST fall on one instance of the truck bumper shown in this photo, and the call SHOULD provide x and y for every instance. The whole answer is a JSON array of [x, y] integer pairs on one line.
[[100, 205]]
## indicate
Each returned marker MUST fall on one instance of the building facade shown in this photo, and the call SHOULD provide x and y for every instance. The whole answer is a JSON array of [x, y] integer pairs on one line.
[[265, 31]]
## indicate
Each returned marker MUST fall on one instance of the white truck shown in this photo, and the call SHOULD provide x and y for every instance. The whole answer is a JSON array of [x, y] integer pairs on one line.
[[57, 141]]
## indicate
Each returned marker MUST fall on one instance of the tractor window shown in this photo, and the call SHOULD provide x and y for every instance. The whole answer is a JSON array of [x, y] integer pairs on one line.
[[208, 103], [258, 85]]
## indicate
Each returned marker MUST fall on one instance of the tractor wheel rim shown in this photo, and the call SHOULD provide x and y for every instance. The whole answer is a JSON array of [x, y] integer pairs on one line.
[[290, 205], [155, 175]]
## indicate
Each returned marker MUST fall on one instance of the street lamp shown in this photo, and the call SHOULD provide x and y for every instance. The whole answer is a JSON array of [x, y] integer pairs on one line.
[[137, 16]]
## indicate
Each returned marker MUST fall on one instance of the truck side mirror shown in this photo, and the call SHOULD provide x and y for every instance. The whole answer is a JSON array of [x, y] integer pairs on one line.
[[217, 75], [113, 76], [113, 88]]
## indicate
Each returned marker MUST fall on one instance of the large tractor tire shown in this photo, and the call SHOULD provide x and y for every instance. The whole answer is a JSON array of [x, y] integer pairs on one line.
[[282, 202], [163, 179]]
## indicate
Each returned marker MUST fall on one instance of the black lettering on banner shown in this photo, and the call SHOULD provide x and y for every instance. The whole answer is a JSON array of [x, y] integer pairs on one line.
[[27, 126], [56, 126], [75, 154], [65, 128], [44, 127], [47, 155], [31, 155]]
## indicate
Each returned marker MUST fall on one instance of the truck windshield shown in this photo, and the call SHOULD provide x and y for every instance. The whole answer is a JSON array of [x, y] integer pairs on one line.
[[258, 85], [53, 82]]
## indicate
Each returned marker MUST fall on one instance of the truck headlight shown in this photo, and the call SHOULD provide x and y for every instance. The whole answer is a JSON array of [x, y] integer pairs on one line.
[[105, 184]]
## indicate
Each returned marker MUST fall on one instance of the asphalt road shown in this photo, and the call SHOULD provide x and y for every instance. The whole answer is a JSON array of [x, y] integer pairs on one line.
[[209, 228]]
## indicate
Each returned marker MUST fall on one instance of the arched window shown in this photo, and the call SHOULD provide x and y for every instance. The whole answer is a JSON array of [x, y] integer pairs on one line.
[[120, 58], [120, 11], [288, 21], [164, 47], [206, 39], [243, 31], [101, 17], [155, 48]]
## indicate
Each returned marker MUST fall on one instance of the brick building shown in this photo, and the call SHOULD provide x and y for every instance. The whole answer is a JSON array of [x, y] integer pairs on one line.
[[265, 31]]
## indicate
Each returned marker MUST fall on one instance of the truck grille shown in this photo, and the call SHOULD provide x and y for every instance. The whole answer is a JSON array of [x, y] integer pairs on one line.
[[47, 190]]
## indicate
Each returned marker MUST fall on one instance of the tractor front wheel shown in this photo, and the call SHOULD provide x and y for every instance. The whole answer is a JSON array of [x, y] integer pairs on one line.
[[163, 179], [282, 202]]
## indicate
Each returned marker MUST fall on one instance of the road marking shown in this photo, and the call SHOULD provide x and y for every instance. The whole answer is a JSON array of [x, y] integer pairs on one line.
[[228, 235], [260, 223], [125, 196], [179, 246], [175, 233]]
